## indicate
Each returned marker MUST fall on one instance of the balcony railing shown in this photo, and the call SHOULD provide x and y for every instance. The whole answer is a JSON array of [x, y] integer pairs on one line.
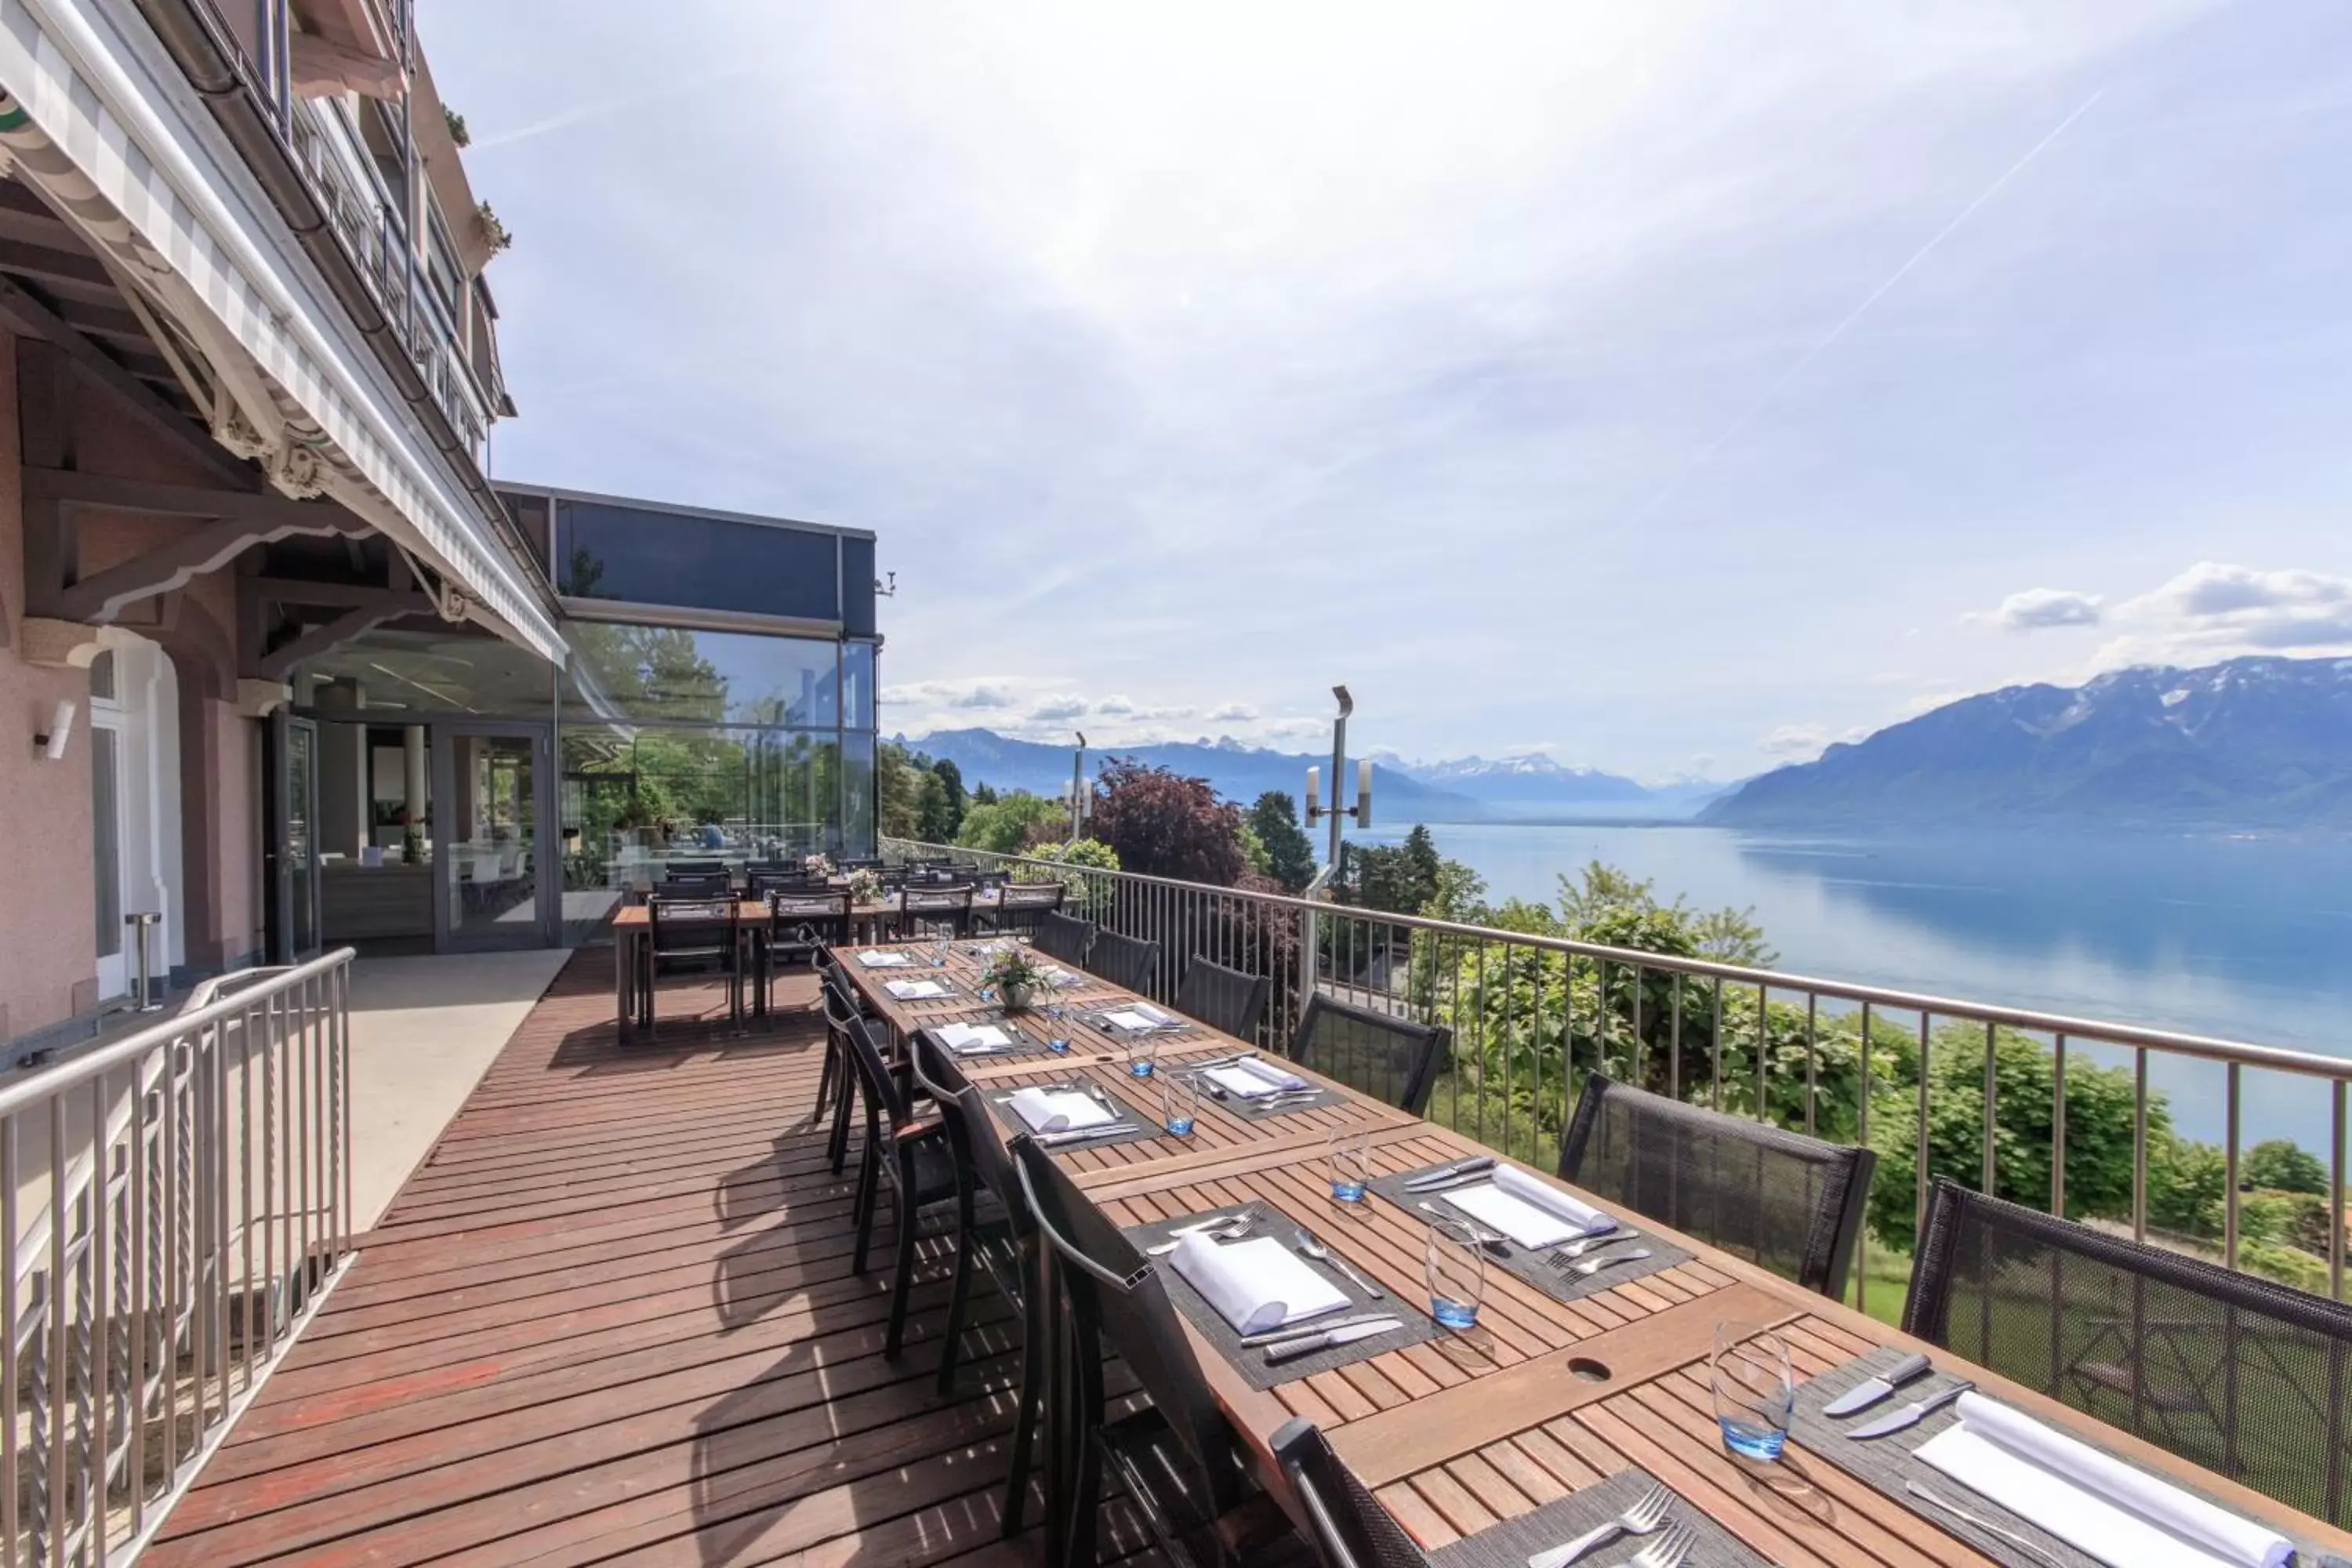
[[1936, 1085], [173, 1206]]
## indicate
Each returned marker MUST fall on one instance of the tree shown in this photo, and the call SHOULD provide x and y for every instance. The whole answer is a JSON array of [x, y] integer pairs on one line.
[[896, 791], [950, 779], [1002, 824], [1290, 857], [1726, 935], [981, 794], [1164, 825], [2282, 1166], [931, 810]]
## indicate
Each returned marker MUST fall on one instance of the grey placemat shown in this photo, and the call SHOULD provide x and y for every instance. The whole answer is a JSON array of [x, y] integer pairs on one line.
[[1887, 1463], [1147, 1126], [1419, 1327], [1530, 1264], [1510, 1544], [1253, 1110], [1026, 1031]]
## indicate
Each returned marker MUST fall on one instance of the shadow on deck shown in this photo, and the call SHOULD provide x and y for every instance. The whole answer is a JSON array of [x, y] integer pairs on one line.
[[611, 1319]]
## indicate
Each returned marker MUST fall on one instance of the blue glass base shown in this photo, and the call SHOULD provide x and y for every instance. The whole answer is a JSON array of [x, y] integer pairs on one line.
[[1181, 1128], [1454, 1314], [1750, 1441], [1348, 1191], [1141, 1069]]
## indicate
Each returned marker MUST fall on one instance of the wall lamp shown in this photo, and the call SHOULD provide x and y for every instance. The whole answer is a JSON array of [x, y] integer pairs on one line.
[[51, 743]]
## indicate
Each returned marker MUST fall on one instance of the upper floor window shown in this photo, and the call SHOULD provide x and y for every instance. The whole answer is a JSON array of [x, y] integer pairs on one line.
[[635, 556]]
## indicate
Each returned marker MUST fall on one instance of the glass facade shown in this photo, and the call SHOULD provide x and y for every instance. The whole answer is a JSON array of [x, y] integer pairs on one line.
[[671, 741]]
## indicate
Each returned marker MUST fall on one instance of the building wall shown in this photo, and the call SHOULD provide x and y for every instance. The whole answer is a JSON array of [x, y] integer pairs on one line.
[[47, 952]]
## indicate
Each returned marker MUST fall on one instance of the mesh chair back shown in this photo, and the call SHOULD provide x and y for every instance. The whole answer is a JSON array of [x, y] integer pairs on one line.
[[1125, 962], [1224, 999], [2243, 1376], [694, 885], [691, 927], [698, 867], [1063, 937], [1345, 1524], [1392, 1059], [971, 1133], [955, 901], [1783, 1201], [761, 883], [824, 913], [1033, 895], [1116, 1294]]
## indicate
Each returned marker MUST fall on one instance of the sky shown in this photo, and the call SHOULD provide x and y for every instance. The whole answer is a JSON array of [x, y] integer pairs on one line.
[[1674, 388]]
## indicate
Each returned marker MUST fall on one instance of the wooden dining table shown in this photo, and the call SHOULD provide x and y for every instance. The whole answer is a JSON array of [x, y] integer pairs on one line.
[[1544, 1397]]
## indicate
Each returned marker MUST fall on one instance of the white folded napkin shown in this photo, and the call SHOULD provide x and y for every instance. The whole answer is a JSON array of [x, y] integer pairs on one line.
[[915, 990], [1527, 1210], [966, 1039], [1150, 1014], [1063, 978], [2098, 1503], [1254, 1080], [884, 960], [1255, 1285], [1140, 1017], [1058, 1109]]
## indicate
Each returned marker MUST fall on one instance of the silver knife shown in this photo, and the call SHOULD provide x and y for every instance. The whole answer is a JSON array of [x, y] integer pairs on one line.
[[1291, 1349], [1305, 1331], [1448, 1175], [1055, 1139], [1911, 1415], [1869, 1391]]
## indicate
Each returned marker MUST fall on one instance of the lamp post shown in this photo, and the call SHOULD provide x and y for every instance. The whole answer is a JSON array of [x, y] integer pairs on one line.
[[1079, 787], [1363, 810]]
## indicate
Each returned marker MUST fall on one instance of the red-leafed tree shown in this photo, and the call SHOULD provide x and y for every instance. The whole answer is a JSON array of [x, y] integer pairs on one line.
[[1164, 825]]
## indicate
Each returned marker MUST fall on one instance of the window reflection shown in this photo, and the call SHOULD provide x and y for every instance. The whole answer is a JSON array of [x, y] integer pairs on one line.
[[609, 552], [669, 672]]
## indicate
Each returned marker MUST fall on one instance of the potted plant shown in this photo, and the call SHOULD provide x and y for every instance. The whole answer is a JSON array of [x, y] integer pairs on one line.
[[1016, 976], [818, 866], [865, 887]]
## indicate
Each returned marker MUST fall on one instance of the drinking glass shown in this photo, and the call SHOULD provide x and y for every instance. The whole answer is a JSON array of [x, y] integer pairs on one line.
[[1058, 1038], [1142, 1050], [1458, 1273], [1351, 1150], [942, 944], [1754, 1391], [1180, 1101]]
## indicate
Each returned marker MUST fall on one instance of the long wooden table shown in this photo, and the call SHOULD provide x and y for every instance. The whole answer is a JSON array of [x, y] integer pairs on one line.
[[1544, 1397]]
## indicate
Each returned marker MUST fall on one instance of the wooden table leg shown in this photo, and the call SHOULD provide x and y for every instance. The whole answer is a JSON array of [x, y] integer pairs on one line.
[[625, 982]]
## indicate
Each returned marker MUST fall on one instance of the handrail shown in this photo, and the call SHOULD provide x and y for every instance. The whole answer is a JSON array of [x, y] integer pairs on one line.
[[43, 1084], [2108, 1032]]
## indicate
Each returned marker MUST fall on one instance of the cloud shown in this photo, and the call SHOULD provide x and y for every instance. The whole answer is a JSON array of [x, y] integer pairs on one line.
[[1232, 713], [1052, 710], [2033, 609], [2215, 611], [985, 697], [1115, 705], [1795, 742]]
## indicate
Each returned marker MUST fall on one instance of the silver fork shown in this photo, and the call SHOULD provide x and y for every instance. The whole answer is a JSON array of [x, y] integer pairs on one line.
[[1593, 1266], [1232, 1230], [1668, 1550], [1647, 1513], [1569, 1252]]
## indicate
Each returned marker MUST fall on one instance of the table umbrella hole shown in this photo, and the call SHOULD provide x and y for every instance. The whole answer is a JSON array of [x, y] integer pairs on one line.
[[1586, 1369]]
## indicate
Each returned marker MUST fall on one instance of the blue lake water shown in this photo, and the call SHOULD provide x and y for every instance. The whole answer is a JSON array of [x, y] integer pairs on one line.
[[2247, 938]]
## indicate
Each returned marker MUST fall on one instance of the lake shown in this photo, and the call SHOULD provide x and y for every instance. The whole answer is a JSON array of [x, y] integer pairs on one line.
[[2242, 937]]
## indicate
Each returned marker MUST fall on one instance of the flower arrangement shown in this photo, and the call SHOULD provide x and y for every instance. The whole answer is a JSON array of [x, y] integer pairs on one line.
[[817, 866], [1016, 974], [865, 887]]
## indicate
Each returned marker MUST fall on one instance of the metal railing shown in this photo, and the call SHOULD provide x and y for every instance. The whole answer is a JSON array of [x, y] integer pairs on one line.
[[1990, 1095], [175, 1205]]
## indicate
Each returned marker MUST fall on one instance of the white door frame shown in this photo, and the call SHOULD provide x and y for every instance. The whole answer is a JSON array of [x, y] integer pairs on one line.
[[143, 716]]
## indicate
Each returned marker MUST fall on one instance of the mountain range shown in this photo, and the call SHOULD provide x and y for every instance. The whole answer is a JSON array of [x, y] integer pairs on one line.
[[1466, 789], [2257, 742]]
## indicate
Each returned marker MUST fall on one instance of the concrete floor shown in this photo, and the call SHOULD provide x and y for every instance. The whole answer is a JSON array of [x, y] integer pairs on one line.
[[423, 1030]]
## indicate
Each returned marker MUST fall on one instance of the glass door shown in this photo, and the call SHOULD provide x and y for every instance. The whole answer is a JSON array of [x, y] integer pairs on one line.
[[493, 796], [290, 854]]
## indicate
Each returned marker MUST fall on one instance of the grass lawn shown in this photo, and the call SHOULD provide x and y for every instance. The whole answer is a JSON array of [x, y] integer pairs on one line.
[[1889, 1273]]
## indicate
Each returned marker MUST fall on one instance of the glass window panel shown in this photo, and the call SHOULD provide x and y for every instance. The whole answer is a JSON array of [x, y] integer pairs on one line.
[[857, 587], [857, 685], [608, 552], [106, 836], [667, 672], [857, 795]]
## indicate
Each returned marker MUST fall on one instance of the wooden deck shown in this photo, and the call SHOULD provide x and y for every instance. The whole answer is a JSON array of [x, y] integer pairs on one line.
[[611, 1320]]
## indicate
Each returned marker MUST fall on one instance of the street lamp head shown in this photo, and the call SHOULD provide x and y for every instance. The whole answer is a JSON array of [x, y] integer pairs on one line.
[[1347, 704]]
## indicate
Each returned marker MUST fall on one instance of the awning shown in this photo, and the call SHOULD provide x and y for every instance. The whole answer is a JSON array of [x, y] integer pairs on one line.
[[97, 115]]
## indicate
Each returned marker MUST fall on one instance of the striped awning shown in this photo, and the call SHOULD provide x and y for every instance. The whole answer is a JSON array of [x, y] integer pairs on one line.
[[94, 112]]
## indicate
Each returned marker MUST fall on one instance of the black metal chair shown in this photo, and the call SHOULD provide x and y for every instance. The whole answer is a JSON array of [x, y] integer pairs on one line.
[[690, 931], [1346, 1525], [1393, 1059], [920, 906], [912, 1156], [1225, 999], [1126, 962], [801, 925], [1176, 1460], [695, 885], [2243, 1376], [1783, 1201], [762, 880], [1021, 905], [1063, 937], [698, 867]]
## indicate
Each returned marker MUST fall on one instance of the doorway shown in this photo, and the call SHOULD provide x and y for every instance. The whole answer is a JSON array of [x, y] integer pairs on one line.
[[290, 842], [493, 793]]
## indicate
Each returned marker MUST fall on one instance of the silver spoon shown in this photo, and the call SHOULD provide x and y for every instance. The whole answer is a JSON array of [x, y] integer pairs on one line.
[[1322, 1254]]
